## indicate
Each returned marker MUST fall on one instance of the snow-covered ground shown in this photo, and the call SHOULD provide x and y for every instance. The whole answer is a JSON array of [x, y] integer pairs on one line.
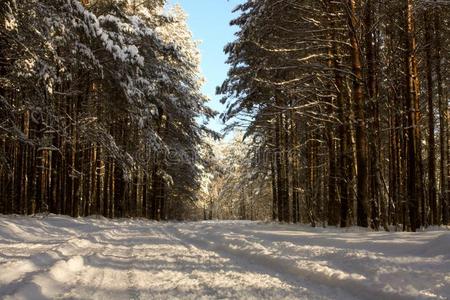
[[62, 258]]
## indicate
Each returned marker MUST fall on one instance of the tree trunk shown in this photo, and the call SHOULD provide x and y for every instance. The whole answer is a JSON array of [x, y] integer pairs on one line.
[[443, 120], [431, 126], [412, 105], [359, 102]]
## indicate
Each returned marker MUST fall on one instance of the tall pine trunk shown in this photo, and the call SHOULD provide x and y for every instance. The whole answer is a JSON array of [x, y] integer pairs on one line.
[[359, 102]]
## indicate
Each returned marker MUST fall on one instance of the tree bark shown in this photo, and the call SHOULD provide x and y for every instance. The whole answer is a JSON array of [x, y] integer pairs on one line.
[[359, 102]]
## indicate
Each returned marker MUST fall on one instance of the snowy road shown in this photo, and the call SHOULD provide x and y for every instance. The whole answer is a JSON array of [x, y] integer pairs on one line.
[[61, 258]]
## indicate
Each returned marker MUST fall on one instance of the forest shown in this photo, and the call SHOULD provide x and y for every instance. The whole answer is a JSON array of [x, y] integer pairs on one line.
[[100, 102], [348, 101], [338, 112]]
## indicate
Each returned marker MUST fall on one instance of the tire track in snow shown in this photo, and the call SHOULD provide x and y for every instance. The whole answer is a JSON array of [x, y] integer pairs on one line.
[[249, 263], [94, 284], [96, 272], [133, 291], [90, 283], [279, 266], [242, 283], [86, 276]]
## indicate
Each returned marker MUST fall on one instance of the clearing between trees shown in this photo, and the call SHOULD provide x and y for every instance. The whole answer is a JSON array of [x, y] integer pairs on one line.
[[58, 257]]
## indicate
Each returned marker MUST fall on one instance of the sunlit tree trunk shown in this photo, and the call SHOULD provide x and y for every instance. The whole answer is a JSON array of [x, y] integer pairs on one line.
[[359, 102]]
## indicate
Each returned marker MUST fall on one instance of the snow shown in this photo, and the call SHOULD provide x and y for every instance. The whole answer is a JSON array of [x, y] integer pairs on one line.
[[95, 258]]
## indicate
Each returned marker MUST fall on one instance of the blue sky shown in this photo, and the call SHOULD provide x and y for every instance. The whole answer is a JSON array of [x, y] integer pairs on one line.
[[209, 21]]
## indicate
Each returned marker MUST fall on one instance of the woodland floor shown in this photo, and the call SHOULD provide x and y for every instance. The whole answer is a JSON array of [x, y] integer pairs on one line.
[[62, 258]]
